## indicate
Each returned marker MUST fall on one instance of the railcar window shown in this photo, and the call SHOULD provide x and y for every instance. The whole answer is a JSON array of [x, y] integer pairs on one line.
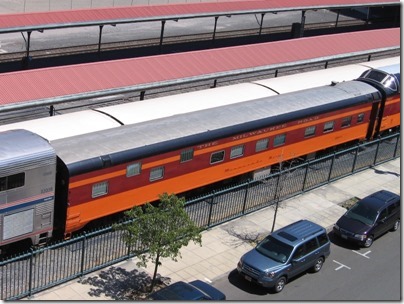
[[262, 144], [346, 122], [375, 75], [100, 189], [3, 183], [12, 181], [133, 169], [187, 155], [328, 126], [237, 151], [310, 131], [156, 173], [360, 118], [217, 157], [279, 140], [385, 79]]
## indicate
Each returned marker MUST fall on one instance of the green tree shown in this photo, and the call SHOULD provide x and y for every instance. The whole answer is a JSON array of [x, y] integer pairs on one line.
[[162, 230]]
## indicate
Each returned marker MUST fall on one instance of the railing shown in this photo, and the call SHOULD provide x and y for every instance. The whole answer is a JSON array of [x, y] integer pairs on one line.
[[37, 270]]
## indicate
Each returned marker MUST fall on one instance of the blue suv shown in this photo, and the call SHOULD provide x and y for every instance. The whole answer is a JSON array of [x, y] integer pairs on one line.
[[284, 254]]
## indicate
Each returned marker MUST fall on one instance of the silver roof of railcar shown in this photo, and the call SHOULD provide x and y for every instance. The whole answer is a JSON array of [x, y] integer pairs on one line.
[[66, 125], [317, 78], [192, 128], [20, 149]]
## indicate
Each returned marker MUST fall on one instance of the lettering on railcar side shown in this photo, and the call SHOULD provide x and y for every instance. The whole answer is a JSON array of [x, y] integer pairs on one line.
[[207, 145], [46, 190], [308, 119], [258, 132]]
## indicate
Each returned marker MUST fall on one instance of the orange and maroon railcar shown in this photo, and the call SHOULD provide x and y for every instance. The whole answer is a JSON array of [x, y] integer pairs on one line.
[[105, 172]]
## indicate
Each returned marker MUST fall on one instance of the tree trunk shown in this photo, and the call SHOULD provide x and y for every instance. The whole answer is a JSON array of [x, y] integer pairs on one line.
[[155, 272]]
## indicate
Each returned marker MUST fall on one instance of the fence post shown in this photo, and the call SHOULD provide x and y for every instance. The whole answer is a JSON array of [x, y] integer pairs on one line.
[[82, 254], [277, 199], [31, 267], [305, 175], [128, 251], [211, 208], [331, 167], [245, 196], [355, 158], [377, 151], [396, 147]]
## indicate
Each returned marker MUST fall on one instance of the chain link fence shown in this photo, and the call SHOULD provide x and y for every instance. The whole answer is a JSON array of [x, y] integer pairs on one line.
[[37, 270]]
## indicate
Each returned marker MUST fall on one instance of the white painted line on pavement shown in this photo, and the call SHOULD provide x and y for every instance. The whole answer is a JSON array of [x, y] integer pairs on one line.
[[363, 254], [341, 265]]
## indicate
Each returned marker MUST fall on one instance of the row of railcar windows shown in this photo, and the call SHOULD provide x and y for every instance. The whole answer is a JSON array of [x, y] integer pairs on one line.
[[12, 181], [186, 155]]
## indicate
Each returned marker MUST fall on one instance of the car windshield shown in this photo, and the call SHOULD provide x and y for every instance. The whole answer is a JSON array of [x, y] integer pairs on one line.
[[362, 213], [274, 249]]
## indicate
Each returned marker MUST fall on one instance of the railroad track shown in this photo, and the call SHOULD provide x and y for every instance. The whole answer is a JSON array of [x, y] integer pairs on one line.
[[195, 41]]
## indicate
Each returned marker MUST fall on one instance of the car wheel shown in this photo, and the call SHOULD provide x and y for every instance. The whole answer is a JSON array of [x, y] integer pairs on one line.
[[396, 225], [319, 264], [280, 284], [368, 241]]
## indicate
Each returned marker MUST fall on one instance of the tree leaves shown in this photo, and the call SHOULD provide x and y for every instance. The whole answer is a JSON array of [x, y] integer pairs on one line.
[[162, 229]]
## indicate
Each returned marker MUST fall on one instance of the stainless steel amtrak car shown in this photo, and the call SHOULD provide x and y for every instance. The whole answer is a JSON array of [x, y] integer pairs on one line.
[[27, 187]]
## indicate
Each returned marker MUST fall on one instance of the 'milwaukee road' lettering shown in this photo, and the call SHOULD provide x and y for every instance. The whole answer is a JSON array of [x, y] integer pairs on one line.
[[258, 132]]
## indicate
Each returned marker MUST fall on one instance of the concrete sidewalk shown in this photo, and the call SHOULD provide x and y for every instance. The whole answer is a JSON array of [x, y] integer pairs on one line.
[[222, 246]]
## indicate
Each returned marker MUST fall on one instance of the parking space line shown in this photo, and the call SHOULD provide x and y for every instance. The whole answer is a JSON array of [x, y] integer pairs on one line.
[[363, 254], [341, 265]]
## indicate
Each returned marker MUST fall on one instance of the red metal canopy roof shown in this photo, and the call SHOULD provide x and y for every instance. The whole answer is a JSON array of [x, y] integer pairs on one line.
[[97, 16], [112, 76]]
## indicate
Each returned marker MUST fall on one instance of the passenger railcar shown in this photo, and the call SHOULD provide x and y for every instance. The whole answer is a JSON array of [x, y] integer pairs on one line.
[[110, 171], [106, 167], [27, 187]]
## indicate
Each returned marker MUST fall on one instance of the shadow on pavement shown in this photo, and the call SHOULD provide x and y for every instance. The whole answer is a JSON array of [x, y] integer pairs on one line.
[[121, 284]]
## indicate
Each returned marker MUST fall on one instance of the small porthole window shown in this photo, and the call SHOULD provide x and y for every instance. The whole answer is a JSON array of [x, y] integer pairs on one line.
[[133, 169], [328, 126], [237, 151], [262, 145], [99, 189], [361, 118], [279, 140], [346, 122], [156, 173], [187, 155], [310, 131], [217, 157]]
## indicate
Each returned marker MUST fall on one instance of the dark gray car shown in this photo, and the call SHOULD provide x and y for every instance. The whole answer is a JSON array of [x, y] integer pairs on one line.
[[286, 253], [183, 291], [369, 218]]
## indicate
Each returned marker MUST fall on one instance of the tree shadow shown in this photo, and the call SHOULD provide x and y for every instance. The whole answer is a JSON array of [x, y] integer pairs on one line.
[[121, 284]]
